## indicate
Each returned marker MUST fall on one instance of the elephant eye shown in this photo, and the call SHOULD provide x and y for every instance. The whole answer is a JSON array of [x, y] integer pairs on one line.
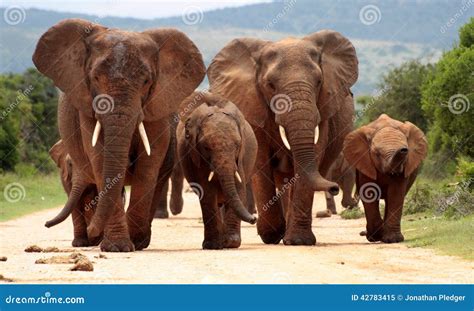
[[145, 82], [271, 86]]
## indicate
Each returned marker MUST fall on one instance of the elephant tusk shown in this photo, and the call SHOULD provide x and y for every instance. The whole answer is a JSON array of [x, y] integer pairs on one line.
[[146, 143], [211, 174], [238, 177], [316, 134], [95, 136], [283, 137]]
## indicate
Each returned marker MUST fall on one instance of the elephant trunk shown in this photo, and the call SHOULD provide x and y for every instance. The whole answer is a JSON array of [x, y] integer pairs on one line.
[[118, 131], [300, 123], [72, 201], [227, 181]]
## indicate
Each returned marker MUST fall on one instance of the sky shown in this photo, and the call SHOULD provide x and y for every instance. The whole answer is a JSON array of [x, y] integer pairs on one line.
[[146, 9]]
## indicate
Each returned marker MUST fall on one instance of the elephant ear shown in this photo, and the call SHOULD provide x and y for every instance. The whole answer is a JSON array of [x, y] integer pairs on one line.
[[232, 74], [61, 55], [340, 68], [180, 70], [357, 151], [59, 155], [417, 147]]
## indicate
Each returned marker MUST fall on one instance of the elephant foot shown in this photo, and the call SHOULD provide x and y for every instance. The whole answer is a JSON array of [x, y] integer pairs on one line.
[[118, 245], [162, 214], [269, 234], [232, 240], [176, 205], [393, 237], [95, 241], [212, 244], [80, 242], [299, 238], [141, 240], [374, 235]]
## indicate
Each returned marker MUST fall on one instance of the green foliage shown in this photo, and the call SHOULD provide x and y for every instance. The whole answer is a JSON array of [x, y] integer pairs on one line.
[[451, 200], [449, 236], [466, 34], [28, 128], [400, 96], [352, 213]]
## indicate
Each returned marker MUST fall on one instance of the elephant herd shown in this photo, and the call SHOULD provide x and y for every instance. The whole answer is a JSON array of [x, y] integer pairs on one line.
[[275, 125]]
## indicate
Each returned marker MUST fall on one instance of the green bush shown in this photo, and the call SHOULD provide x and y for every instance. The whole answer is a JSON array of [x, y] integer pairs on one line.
[[353, 213]]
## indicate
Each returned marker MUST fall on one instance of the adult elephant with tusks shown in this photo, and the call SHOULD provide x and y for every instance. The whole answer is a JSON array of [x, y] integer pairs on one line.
[[287, 90], [118, 90]]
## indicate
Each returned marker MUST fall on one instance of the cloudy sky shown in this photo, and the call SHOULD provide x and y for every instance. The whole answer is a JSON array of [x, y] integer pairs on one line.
[[140, 8]]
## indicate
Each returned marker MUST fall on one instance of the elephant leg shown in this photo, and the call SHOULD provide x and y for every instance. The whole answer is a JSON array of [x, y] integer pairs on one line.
[[271, 221], [144, 186], [160, 203], [212, 219], [330, 203], [80, 228], [393, 214], [374, 221], [299, 216], [232, 238], [116, 236], [177, 179]]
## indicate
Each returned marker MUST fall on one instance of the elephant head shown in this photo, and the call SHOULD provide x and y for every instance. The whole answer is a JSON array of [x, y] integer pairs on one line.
[[296, 83], [216, 134], [120, 81], [386, 146]]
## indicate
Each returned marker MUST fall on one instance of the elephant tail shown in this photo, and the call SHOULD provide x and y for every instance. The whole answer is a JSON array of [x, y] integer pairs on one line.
[[72, 201]]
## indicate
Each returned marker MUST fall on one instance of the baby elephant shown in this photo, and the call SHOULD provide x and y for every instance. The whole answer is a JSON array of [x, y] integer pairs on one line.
[[217, 148], [386, 154]]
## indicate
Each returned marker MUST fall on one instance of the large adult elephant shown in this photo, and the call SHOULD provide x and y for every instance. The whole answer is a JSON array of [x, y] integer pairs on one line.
[[287, 89], [119, 88]]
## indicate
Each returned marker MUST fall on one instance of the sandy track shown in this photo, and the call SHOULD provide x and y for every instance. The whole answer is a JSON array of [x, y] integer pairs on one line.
[[175, 256]]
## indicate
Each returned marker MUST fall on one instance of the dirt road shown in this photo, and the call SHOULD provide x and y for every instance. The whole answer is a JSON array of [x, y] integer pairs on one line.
[[175, 256]]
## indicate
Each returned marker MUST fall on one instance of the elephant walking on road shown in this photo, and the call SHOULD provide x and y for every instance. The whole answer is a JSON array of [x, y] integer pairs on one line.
[[386, 154], [217, 148], [288, 90], [118, 91]]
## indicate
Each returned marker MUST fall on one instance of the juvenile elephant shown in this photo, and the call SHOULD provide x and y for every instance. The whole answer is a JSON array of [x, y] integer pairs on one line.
[[386, 154], [217, 148], [286, 90], [118, 90], [344, 175]]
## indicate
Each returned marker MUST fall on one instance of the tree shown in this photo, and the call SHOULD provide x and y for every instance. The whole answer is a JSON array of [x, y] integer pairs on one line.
[[447, 97], [400, 95]]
